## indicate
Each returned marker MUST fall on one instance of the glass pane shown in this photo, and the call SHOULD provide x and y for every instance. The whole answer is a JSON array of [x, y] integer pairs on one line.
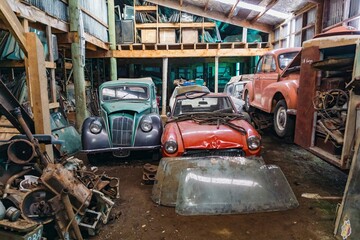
[[227, 188], [166, 184]]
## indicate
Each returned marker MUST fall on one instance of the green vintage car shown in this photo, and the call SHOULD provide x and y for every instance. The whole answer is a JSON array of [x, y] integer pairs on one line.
[[129, 121]]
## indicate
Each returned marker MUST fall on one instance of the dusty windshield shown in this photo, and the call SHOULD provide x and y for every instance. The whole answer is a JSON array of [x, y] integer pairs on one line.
[[125, 92], [285, 59], [202, 104]]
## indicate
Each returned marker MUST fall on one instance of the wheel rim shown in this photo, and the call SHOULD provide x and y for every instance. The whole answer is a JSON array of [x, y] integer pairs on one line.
[[281, 118]]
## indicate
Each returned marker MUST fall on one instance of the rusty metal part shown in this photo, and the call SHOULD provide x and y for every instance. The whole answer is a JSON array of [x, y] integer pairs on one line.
[[90, 221], [149, 173], [21, 151], [71, 216], [35, 205], [44, 158], [57, 178], [13, 214], [11, 180], [104, 205]]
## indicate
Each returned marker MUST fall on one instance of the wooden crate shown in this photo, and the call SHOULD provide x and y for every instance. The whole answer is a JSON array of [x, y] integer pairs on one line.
[[148, 36], [189, 36], [167, 36]]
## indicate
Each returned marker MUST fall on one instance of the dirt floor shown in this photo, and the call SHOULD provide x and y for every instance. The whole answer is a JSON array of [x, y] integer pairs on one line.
[[135, 216]]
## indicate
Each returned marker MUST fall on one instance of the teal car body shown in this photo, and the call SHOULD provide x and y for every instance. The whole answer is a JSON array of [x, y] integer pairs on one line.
[[129, 120]]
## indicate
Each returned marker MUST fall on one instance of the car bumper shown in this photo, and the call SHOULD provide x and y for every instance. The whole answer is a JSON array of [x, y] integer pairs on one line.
[[117, 149]]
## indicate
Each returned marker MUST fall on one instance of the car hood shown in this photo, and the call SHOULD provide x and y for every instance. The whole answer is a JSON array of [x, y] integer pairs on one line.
[[196, 136], [128, 106]]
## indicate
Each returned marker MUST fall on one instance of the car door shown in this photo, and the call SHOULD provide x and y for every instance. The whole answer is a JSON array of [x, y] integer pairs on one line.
[[268, 76], [257, 82]]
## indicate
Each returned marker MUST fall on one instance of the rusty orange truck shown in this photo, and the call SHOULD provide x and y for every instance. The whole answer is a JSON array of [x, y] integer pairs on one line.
[[274, 88]]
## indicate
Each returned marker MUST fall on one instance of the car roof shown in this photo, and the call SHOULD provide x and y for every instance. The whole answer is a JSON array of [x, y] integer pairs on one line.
[[140, 81], [202, 95], [192, 88], [284, 50]]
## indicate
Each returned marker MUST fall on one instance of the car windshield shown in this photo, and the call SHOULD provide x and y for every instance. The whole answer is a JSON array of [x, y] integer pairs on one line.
[[285, 59], [125, 92], [202, 104]]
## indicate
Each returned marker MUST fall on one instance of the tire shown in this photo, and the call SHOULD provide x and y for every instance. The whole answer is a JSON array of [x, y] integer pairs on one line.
[[247, 106], [283, 123]]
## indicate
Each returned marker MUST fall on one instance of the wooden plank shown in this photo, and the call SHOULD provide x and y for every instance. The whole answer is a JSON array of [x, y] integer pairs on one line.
[[145, 8], [95, 41], [267, 8], [50, 65], [350, 129], [180, 53], [36, 77], [12, 64], [13, 24], [176, 25], [306, 93]]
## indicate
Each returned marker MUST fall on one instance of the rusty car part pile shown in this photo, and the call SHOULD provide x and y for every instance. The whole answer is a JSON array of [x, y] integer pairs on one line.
[[42, 191]]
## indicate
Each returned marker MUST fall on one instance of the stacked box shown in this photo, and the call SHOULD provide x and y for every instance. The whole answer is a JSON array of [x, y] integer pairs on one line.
[[148, 36], [189, 36], [167, 36]]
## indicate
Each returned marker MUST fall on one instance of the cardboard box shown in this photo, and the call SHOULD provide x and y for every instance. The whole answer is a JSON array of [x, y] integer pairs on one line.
[[189, 36], [167, 36], [148, 36]]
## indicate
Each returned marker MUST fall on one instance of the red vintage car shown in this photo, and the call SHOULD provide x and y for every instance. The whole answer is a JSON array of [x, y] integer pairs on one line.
[[203, 124]]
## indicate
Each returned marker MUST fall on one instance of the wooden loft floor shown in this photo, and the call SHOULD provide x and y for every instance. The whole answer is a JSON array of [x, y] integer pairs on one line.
[[184, 50]]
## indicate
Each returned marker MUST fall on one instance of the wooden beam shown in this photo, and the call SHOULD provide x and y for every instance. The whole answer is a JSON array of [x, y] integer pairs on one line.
[[36, 15], [185, 53], [37, 80], [13, 24], [199, 11], [231, 13], [180, 2], [95, 41], [176, 25], [267, 8]]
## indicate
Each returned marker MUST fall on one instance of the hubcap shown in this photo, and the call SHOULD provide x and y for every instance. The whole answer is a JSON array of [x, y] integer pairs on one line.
[[281, 118]]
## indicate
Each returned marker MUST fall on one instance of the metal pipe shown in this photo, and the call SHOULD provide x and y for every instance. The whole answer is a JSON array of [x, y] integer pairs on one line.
[[12, 178], [70, 213]]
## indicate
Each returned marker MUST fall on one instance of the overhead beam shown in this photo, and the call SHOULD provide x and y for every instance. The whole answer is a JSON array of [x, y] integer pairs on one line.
[[206, 5], [267, 8], [199, 11], [13, 24], [184, 53], [231, 13]]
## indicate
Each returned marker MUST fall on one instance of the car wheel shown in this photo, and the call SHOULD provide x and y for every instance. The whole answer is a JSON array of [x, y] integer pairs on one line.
[[283, 123], [247, 106]]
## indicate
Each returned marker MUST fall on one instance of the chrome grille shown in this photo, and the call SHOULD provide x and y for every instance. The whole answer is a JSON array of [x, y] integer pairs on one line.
[[214, 152], [122, 132]]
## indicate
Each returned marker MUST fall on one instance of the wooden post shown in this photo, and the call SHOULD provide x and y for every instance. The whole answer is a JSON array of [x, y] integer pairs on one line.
[[244, 35], [112, 39], [51, 59], [38, 87], [165, 66], [216, 84], [78, 57]]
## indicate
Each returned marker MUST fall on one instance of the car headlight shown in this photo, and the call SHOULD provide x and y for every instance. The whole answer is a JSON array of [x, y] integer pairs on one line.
[[253, 142], [146, 124], [95, 127], [170, 147]]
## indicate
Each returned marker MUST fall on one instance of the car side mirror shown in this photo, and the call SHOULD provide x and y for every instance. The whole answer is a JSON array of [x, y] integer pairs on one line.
[[168, 114]]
